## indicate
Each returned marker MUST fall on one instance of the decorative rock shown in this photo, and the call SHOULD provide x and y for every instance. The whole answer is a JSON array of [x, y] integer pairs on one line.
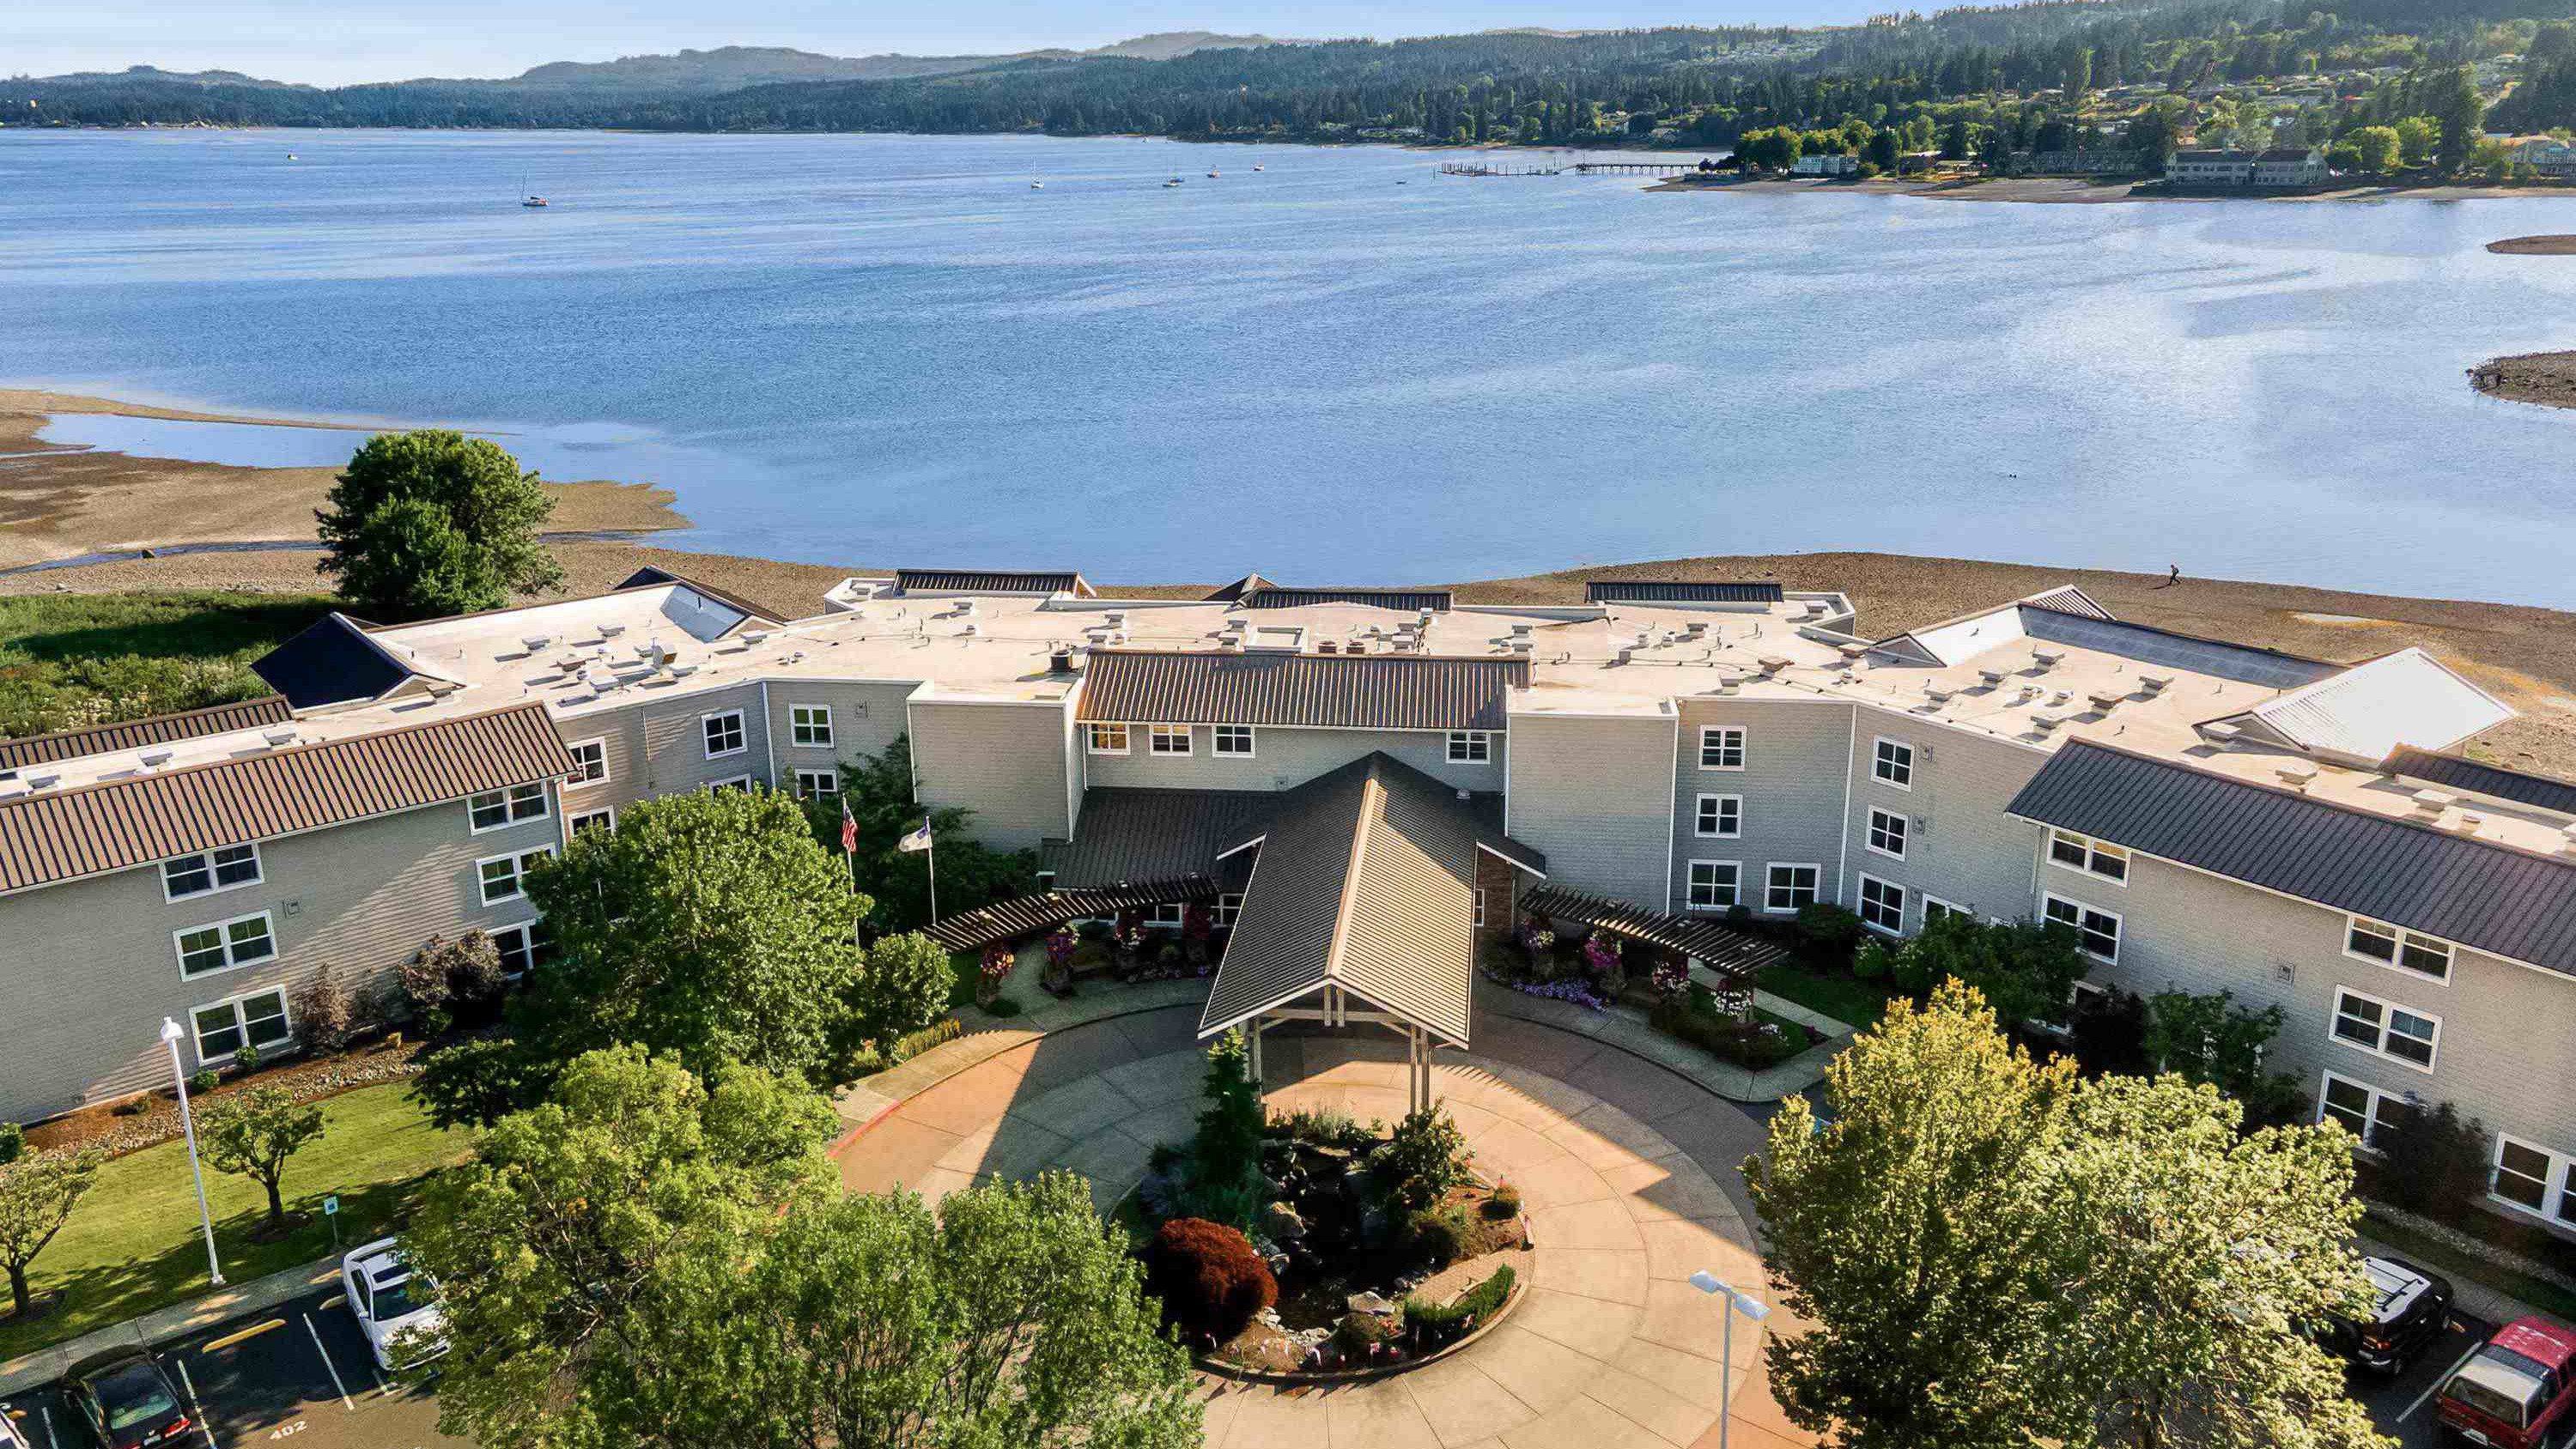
[[1369, 1303], [1281, 1222]]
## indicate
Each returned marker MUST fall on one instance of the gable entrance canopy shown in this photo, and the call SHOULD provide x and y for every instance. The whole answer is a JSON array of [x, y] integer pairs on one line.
[[1361, 907]]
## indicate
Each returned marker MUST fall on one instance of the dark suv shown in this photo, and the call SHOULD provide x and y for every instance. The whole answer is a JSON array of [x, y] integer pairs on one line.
[[126, 1400], [2410, 1308]]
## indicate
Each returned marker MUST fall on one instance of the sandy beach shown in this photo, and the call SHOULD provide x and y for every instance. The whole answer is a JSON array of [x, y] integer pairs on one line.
[[2545, 378], [58, 502]]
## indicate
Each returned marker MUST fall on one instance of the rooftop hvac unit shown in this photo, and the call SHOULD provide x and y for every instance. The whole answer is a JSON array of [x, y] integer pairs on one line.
[[1991, 676], [683, 671], [2045, 724], [1522, 631], [2048, 658], [2434, 802], [965, 608], [1696, 628], [2106, 702], [1115, 617], [1327, 646], [1772, 663], [1624, 655], [2155, 683], [1932, 692], [154, 759], [536, 642], [279, 739], [758, 637], [2221, 732], [611, 631], [1522, 646], [44, 781], [1060, 662], [2298, 776]]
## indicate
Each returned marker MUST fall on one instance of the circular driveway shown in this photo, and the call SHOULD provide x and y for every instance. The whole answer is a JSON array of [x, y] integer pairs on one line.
[[1629, 1173]]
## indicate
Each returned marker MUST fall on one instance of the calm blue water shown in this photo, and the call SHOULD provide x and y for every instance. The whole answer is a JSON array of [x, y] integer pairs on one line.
[[889, 350]]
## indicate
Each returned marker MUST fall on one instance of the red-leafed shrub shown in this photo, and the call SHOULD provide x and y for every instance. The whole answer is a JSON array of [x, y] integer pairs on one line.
[[1208, 1277]]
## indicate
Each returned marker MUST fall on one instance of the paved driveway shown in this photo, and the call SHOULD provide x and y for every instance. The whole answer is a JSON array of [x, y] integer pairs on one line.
[[1630, 1173]]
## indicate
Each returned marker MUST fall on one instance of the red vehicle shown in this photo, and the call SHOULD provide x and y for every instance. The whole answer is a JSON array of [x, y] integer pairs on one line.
[[2516, 1392]]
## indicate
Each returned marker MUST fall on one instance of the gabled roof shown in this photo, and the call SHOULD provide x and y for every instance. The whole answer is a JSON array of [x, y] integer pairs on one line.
[[2217, 658], [993, 581], [1409, 601], [2363, 713], [2068, 599], [649, 575], [333, 662], [1372, 691], [2454, 772], [160, 729], [2489, 897], [1676, 591], [1248, 584], [49, 836], [1366, 881]]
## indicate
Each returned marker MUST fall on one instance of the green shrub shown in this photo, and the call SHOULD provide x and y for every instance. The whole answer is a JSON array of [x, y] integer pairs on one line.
[[1755, 1044], [2433, 1162], [1436, 1325], [1361, 1332], [1209, 1278], [205, 1081], [1829, 928], [1003, 1006], [247, 1060], [1505, 1203], [1326, 1127], [1165, 1157], [13, 1142], [936, 1034], [1871, 963], [1441, 1235], [1424, 1158], [132, 1107]]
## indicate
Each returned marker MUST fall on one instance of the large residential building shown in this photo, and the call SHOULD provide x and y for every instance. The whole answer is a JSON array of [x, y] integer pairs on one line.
[[1360, 781], [2281, 167]]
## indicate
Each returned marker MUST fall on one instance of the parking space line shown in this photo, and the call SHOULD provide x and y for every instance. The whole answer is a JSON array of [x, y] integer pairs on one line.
[[198, 1408], [254, 1331], [2444, 1378], [47, 1414], [334, 1301], [326, 1363]]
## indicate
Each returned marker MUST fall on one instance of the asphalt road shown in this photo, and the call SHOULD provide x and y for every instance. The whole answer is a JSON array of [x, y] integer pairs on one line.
[[299, 1374]]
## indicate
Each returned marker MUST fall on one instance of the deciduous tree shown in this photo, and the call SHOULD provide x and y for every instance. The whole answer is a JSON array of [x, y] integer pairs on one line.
[[2376, 149], [252, 1134], [1908, 1228], [2025, 970], [37, 1195], [433, 522]]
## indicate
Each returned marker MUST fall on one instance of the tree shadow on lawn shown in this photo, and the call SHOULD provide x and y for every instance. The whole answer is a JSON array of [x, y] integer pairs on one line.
[[189, 626], [96, 1297]]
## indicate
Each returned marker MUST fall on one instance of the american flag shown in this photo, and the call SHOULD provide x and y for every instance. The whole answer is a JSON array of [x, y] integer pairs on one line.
[[849, 830]]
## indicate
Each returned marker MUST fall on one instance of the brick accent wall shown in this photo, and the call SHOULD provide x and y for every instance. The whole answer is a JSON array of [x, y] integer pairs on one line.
[[1500, 884]]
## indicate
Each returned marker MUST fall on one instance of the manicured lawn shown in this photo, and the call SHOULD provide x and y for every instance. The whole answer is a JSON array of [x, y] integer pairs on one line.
[[1844, 998], [132, 1245]]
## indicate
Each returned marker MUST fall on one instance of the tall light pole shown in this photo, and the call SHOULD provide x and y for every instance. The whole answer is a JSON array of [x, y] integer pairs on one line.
[[1735, 1303], [170, 1034]]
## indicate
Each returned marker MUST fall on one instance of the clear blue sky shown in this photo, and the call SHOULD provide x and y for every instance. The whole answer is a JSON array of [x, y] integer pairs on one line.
[[334, 42]]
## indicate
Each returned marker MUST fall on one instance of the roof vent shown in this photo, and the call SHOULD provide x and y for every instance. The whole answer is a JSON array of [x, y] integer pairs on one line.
[[2567, 839], [2047, 658], [683, 671], [2063, 696], [611, 631], [2298, 775], [2045, 724], [758, 637], [1696, 628], [1932, 692], [1327, 646], [2106, 701], [155, 759], [1465, 795], [1522, 631], [2468, 822], [2155, 683], [1992, 677], [1773, 663], [1117, 618], [2221, 732], [279, 739], [2434, 802], [46, 781], [1060, 662], [972, 629]]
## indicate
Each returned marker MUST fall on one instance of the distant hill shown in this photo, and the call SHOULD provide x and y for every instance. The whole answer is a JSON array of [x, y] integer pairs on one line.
[[154, 75]]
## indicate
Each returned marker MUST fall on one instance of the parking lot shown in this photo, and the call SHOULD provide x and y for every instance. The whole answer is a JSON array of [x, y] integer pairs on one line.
[[299, 1372], [2403, 1406]]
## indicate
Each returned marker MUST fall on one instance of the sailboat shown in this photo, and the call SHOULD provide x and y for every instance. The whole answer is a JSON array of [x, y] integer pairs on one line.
[[1256, 166], [1175, 181], [1037, 186], [1211, 176], [530, 200]]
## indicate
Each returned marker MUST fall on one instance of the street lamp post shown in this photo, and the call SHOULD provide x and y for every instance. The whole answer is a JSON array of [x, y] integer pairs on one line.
[[170, 1034], [1735, 1303]]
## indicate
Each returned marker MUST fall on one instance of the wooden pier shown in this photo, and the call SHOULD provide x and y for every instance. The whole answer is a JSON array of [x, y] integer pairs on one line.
[[1482, 168], [1636, 168]]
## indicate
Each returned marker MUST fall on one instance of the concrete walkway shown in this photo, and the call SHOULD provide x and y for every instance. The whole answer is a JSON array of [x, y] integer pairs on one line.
[[1630, 1170]]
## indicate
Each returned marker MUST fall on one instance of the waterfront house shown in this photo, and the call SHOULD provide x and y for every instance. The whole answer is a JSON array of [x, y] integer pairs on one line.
[[1665, 754], [2279, 168], [1826, 164]]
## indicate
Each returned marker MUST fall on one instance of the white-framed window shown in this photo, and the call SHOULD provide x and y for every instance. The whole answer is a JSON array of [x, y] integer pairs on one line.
[[2084, 853], [2385, 1029], [2377, 941], [589, 762], [241, 941], [1228, 907], [1713, 884], [604, 818], [2361, 1108], [498, 809], [2097, 932], [1480, 906], [1167, 739], [223, 1028], [723, 732], [1108, 739], [1471, 747], [810, 726], [1721, 817], [732, 782], [1892, 763], [1882, 905], [504, 877], [522, 946], [1233, 741], [1165, 913], [1935, 908], [1887, 833], [1721, 747], [208, 872], [817, 784], [2534, 1179], [1787, 888]]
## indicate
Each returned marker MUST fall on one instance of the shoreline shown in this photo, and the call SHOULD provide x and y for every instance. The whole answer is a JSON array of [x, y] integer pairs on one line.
[[57, 503], [2092, 191], [2540, 379], [62, 501]]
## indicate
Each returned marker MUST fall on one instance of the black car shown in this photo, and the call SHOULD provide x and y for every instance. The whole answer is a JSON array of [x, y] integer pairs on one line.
[[126, 1400], [2412, 1307]]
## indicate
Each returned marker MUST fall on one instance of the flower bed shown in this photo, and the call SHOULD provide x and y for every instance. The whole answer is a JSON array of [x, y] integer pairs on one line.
[[306, 1079], [1731, 1031]]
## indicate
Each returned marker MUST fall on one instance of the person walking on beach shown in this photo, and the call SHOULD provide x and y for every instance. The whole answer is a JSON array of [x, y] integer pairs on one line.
[[2173, 575]]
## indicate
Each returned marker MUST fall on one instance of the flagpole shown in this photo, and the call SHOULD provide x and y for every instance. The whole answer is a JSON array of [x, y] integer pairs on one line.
[[930, 857]]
